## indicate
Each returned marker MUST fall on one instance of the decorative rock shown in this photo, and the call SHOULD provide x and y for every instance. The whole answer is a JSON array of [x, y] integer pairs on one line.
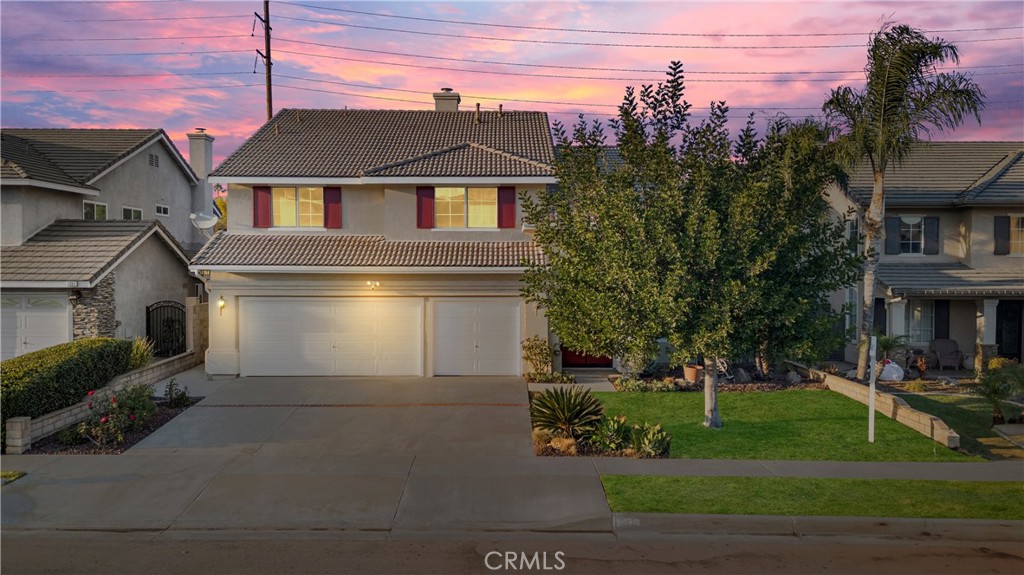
[[740, 375], [852, 374], [792, 378]]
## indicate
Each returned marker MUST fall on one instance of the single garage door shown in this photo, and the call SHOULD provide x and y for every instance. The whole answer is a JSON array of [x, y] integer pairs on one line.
[[476, 336], [331, 336], [33, 321]]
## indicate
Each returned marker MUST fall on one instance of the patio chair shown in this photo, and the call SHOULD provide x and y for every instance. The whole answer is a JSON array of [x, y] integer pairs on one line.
[[724, 371], [947, 352]]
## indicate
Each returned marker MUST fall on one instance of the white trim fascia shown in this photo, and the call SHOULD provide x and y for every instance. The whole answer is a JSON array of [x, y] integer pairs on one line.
[[356, 269], [48, 185], [256, 181], [45, 284], [174, 154], [446, 180]]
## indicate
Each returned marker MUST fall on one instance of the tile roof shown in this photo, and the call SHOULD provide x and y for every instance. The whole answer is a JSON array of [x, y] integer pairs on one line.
[[22, 161], [332, 250], [354, 143], [950, 174], [74, 250], [81, 154], [950, 279]]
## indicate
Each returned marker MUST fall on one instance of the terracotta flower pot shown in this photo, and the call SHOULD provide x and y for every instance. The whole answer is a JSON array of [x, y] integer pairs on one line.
[[693, 373]]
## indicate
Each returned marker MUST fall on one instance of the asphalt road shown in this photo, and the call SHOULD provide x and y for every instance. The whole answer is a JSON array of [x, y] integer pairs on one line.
[[326, 552]]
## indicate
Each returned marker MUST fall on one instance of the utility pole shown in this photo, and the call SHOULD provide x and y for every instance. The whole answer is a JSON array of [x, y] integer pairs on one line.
[[265, 19]]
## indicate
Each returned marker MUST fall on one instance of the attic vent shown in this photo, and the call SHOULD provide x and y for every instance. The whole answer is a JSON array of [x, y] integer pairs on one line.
[[154, 160]]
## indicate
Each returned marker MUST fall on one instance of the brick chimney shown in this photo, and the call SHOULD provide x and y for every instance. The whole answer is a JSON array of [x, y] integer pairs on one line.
[[446, 100]]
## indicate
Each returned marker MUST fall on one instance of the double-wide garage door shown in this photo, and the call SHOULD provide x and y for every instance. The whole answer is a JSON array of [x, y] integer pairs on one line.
[[378, 336]]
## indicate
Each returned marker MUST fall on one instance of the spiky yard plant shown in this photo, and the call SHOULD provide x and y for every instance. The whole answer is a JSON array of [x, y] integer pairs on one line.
[[566, 411]]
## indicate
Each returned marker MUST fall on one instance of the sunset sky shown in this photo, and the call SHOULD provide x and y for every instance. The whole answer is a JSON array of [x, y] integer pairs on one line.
[[178, 65]]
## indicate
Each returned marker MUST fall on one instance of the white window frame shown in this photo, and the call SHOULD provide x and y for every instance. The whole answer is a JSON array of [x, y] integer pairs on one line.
[[921, 224], [852, 314], [166, 208], [323, 209], [142, 214], [1014, 218], [915, 332], [465, 210], [106, 210]]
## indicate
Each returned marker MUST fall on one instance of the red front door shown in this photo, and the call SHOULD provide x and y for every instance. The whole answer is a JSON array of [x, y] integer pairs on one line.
[[572, 358]]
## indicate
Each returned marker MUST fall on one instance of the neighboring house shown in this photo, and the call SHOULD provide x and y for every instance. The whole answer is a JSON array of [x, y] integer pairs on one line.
[[376, 242], [93, 224], [952, 265]]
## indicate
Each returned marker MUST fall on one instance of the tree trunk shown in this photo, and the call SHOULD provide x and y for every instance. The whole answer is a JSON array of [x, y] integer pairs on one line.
[[761, 362], [874, 221], [711, 418]]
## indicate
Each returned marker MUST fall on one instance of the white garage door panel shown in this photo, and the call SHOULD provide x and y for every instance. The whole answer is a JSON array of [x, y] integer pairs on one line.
[[476, 336], [331, 336], [30, 322]]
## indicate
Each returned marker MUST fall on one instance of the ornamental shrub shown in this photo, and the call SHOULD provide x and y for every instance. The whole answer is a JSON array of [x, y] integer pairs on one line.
[[56, 377], [566, 411], [538, 353], [108, 422], [612, 435], [142, 353], [650, 441]]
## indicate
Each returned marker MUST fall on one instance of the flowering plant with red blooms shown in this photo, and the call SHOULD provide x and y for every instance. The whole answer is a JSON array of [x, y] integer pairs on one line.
[[107, 423]]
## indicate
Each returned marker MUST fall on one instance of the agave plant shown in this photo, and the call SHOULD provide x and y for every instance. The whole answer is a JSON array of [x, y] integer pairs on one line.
[[612, 435], [650, 441], [566, 411]]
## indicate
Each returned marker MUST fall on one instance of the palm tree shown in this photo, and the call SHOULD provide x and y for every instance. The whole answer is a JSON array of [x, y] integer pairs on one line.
[[998, 386], [904, 98]]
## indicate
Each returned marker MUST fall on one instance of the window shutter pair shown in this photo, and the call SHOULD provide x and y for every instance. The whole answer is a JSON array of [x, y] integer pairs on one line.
[[1001, 233], [425, 207], [931, 236], [261, 206]]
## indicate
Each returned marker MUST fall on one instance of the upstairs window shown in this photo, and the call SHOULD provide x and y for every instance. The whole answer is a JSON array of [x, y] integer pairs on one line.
[[1017, 234], [94, 211], [911, 234], [298, 207], [466, 207], [131, 214], [162, 210]]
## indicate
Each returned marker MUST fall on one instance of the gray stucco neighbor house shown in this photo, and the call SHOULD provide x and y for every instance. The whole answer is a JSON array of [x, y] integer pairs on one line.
[[95, 229]]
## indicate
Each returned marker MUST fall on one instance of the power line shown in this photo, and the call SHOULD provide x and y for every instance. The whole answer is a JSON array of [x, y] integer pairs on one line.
[[220, 87], [632, 33], [162, 74], [599, 69], [568, 77], [601, 44], [140, 38], [185, 53], [156, 19]]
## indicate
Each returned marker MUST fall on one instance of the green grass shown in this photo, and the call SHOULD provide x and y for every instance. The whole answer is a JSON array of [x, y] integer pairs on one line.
[[815, 496], [795, 424], [10, 476], [969, 416]]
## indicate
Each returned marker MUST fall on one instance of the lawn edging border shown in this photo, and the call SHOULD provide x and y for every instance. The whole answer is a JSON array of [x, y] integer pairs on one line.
[[22, 431], [887, 404]]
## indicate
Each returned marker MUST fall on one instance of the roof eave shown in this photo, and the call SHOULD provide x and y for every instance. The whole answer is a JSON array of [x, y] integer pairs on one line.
[[356, 181], [85, 191], [391, 270]]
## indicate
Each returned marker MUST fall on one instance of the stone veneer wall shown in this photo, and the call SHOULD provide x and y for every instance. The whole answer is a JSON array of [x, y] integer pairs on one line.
[[94, 313], [888, 405]]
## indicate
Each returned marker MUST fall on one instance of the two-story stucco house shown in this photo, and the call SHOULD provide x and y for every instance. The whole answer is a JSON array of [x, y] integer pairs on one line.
[[376, 242], [952, 266], [95, 230]]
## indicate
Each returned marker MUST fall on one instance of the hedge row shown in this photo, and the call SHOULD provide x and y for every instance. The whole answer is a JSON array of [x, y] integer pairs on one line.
[[56, 377]]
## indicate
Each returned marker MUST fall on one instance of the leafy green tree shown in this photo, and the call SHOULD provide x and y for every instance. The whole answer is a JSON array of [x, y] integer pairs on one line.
[[904, 98], [222, 205], [724, 247]]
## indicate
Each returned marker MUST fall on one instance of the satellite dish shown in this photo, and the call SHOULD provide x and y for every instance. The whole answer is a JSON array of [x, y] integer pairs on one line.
[[204, 222]]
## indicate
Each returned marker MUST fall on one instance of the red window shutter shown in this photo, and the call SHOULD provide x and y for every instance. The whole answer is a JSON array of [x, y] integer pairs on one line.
[[261, 206], [507, 207], [332, 207], [424, 207]]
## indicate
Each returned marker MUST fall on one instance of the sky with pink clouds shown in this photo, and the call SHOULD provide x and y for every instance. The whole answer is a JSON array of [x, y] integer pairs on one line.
[[178, 65]]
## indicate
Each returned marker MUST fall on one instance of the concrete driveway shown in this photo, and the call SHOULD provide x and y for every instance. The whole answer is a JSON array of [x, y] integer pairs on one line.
[[325, 416]]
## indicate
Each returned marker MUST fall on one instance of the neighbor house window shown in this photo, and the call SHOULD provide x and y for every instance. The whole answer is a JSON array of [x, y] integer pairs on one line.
[[466, 207], [162, 210], [911, 234], [852, 317], [132, 214], [1017, 234], [920, 318], [94, 211], [298, 207]]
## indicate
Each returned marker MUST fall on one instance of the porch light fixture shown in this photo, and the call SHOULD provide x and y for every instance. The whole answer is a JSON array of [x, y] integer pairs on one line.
[[373, 284], [220, 305]]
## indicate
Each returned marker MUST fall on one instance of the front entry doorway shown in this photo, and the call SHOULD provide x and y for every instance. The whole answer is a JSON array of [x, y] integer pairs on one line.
[[1010, 328]]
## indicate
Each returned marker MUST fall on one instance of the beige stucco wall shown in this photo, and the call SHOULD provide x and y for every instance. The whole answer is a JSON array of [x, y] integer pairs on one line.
[[222, 357], [377, 209], [149, 274], [982, 222]]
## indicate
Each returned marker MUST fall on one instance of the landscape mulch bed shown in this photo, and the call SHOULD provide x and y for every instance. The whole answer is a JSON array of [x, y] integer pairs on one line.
[[52, 446]]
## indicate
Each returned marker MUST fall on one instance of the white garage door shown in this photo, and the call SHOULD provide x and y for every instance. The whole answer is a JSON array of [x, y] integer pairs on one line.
[[33, 321], [478, 336], [331, 336]]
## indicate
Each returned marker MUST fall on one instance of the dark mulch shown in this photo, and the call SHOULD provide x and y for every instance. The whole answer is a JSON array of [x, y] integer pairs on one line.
[[52, 446], [757, 386]]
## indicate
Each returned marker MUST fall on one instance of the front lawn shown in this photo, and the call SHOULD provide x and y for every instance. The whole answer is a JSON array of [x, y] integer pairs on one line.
[[815, 496], [971, 417], [796, 424]]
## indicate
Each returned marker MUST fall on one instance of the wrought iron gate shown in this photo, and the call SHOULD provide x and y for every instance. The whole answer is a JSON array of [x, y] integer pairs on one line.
[[165, 327]]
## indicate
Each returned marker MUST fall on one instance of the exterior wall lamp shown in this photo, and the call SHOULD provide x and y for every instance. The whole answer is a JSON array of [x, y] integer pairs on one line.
[[220, 305], [373, 284]]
